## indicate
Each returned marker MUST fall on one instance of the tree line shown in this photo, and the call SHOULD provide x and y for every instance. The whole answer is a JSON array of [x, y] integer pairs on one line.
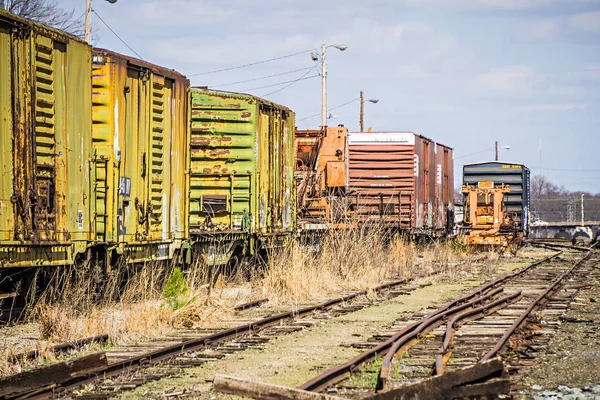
[[553, 203]]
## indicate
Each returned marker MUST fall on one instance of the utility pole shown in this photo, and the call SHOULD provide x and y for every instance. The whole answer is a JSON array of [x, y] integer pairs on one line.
[[88, 21], [362, 111], [496, 150], [323, 87], [582, 212]]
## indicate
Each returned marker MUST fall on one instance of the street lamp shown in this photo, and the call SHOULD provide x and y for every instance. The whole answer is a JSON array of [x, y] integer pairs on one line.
[[88, 19], [362, 109], [340, 47], [504, 147]]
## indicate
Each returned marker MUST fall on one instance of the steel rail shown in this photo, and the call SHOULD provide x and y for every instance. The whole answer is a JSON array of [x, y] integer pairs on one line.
[[447, 348], [409, 339], [340, 372], [502, 342], [169, 352], [556, 246]]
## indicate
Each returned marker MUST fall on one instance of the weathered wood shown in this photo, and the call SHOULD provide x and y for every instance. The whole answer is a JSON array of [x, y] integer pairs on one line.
[[30, 380], [444, 386], [488, 388], [264, 391]]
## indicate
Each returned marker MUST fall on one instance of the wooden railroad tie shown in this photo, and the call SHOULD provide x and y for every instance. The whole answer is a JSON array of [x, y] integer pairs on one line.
[[483, 379]]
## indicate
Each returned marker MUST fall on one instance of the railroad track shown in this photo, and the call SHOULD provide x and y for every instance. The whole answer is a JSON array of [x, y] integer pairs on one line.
[[134, 366], [468, 330]]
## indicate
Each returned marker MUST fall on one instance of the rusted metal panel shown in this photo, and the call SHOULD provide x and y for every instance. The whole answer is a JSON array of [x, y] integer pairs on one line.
[[140, 140], [400, 178], [242, 163], [46, 115], [321, 174], [383, 176]]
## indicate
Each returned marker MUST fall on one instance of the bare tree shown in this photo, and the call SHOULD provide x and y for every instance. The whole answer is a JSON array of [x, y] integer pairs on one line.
[[47, 12]]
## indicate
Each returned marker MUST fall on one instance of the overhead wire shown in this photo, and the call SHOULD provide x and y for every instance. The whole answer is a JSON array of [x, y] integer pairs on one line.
[[115, 33], [261, 78], [330, 109], [301, 78], [251, 64]]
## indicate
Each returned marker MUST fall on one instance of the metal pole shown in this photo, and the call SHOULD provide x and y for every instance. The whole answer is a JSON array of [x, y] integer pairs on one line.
[[496, 151], [582, 212], [362, 111], [88, 21], [323, 87]]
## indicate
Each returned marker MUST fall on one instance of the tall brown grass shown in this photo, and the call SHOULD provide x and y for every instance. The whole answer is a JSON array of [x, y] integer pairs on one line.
[[353, 260]]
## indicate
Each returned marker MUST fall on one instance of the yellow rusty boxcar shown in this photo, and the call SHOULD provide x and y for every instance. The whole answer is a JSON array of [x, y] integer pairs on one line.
[[242, 188], [140, 134], [45, 147]]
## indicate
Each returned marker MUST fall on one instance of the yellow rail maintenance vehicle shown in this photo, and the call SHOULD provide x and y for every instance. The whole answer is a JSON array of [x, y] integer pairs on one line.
[[486, 219]]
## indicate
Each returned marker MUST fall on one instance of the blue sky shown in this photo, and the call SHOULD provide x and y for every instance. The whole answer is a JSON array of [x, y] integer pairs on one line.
[[463, 72]]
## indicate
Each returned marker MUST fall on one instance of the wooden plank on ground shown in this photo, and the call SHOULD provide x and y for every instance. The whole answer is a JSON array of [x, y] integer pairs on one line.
[[263, 391], [459, 381], [25, 382]]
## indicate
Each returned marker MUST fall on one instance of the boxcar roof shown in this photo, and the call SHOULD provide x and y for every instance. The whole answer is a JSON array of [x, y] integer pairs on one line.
[[167, 72], [399, 132], [239, 95], [57, 34]]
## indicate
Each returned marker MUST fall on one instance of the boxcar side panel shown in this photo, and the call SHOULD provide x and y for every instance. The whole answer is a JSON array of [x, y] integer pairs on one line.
[[382, 175], [6, 123], [223, 151]]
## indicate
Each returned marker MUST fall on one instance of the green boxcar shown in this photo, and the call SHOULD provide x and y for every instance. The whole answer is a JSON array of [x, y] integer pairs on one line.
[[45, 147], [242, 168], [140, 136]]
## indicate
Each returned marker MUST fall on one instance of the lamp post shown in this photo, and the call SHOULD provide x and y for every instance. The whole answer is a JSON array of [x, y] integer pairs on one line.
[[504, 147], [324, 48], [362, 109], [88, 19]]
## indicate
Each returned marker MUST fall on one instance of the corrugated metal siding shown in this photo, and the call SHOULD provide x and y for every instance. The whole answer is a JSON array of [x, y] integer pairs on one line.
[[382, 170], [46, 117], [140, 139], [242, 164], [514, 175]]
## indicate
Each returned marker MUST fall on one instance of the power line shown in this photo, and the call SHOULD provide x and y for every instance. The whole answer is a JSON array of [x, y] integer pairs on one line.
[[115, 33], [473, 154], [331, 109], [250, 64], [301, 78], [260, 78], [567, 170]]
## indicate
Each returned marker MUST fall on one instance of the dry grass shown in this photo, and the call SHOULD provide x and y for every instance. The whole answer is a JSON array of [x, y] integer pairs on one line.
[[353, 260], [130, 304]]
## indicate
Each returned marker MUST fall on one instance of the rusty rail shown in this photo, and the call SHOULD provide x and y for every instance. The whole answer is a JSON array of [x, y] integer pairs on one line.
[[338, 373], [447, 348], [502, 342], [556, 246], [426, 325], [166, 353], [61, 348]]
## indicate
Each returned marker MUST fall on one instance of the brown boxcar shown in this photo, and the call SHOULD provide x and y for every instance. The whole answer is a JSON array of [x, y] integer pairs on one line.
[[401, 179], [140, 135]]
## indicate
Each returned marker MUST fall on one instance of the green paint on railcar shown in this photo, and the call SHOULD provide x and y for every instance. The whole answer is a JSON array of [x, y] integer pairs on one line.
[[242, 164]]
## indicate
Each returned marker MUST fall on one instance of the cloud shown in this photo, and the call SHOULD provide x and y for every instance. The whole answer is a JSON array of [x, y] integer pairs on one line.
[[587, 21], [555, 107], [541, 29], [513, 80]]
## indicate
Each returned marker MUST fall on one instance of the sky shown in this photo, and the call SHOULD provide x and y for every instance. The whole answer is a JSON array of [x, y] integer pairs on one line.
[[465, 73]]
